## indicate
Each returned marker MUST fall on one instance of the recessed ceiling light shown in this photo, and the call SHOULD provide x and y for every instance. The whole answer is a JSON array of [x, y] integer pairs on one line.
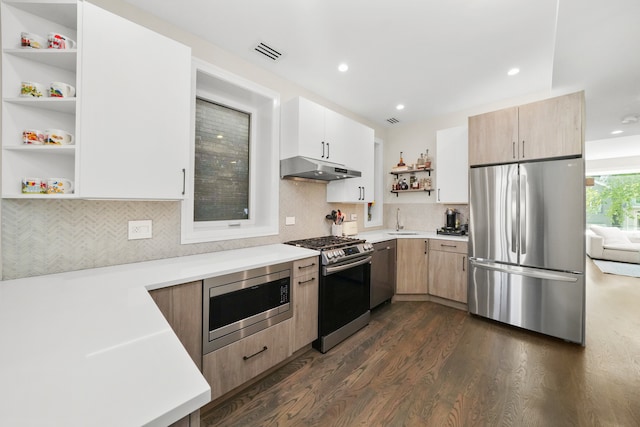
[[513, 71], [219, 136], [617, 132], [343, 68], [399, 107]]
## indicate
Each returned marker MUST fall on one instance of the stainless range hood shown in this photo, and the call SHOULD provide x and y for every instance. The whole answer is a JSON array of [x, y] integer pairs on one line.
[[304, 168]]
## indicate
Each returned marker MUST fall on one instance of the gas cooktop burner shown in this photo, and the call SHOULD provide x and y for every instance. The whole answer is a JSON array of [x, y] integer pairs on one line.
[[336, 249], [325, 242]]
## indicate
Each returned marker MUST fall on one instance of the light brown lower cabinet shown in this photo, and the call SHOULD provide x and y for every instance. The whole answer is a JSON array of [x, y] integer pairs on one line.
[[412, 266], [239, 362], [181, 305], [305, 302], [448, 269]]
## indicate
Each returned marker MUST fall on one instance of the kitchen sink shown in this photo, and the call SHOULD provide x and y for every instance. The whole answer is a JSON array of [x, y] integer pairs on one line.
[[402, 233]]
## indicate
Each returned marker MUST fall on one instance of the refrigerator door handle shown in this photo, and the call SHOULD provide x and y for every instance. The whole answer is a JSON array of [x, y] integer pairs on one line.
[[523, 212], [524, 271], [514, 213]]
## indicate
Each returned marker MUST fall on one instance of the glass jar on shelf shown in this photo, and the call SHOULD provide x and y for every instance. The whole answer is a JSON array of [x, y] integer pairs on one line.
[[427, 161]]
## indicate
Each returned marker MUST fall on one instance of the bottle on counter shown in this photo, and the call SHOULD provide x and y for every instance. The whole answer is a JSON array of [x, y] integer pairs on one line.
[[427, 161]]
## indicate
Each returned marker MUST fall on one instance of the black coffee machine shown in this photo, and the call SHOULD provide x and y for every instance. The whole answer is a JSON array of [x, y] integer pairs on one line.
[[452, 224]]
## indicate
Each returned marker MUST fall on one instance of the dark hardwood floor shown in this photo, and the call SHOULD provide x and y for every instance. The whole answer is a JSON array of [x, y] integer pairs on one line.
[[423, 364]]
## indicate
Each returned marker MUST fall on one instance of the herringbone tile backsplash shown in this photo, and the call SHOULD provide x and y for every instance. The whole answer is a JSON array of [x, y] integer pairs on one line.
[[52, 236]]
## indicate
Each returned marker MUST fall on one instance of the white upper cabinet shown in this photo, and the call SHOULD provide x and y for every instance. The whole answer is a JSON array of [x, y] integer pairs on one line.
[[302, 130], [452, 171], [311, 130], [359, 148], [135, 110], [130, 115]]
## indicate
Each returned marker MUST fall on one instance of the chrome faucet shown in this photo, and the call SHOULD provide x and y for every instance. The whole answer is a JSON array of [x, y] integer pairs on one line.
[[398, 226]]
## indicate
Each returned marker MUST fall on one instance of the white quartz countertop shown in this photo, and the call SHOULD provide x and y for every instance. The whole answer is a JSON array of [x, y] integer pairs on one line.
[[91, 348], [388, 234]]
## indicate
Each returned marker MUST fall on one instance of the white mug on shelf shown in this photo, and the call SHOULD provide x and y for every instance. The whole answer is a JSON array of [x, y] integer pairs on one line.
[[31, 89], [60, 41], [33, 136], [31, 40], [33, 186], [59, 186], [61, 90], [58, 137]]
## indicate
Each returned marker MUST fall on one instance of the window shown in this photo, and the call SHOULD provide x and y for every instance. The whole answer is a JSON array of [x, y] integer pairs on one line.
[[232, 185], [221, 170], [613, 200]]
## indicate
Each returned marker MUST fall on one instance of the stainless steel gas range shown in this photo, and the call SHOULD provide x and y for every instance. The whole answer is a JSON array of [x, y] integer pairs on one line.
[[345, 276]]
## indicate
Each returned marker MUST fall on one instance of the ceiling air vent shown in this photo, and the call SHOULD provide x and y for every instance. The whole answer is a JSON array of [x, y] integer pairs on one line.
[[267, 51], [393, 120]]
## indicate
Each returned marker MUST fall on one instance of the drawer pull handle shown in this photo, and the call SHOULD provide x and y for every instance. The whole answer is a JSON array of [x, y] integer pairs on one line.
[[300, 267], [464, 262], [255, 354], [448, 246], [307, 281]]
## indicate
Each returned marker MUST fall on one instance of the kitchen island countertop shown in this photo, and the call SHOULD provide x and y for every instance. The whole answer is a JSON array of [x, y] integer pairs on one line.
[[90, 347]]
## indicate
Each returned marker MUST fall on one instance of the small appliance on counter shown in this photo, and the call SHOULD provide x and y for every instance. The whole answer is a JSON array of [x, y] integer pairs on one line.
[[349, 228], [452, 226]]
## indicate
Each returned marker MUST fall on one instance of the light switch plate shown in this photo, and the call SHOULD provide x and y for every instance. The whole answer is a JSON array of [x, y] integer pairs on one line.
[[140, 229], [290, 220], [354, 217]]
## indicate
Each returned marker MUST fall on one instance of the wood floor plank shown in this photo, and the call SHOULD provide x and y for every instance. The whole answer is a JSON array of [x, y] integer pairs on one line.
[[423, 364]]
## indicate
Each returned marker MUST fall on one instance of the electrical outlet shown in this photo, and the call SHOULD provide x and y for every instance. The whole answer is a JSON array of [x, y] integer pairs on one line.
[[354, 217], [290, 220], [140, 229]]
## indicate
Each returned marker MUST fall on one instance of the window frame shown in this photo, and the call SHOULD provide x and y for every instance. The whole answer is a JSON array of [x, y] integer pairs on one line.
[[220, 86]]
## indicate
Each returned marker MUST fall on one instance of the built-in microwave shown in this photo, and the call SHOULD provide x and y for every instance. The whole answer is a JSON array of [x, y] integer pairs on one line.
[[240, 304]]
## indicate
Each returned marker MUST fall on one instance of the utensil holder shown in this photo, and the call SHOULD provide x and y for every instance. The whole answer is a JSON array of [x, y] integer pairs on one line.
[[336, 229]]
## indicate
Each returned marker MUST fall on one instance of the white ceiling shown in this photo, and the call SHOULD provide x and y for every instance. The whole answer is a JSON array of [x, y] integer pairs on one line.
[[434, 57]]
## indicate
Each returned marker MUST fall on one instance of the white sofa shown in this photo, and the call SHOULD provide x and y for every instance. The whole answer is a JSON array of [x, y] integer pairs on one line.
[[613, 244]]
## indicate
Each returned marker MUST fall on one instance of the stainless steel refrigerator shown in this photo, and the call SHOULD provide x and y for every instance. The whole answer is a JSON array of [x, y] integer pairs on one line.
[[527, 246]]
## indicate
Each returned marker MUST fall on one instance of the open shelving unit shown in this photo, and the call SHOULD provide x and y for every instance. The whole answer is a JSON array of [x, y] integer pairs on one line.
[[44, 66], [411, 172]]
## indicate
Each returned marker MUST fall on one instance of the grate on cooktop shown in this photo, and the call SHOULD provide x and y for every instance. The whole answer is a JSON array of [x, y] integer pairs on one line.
[[325, 242]]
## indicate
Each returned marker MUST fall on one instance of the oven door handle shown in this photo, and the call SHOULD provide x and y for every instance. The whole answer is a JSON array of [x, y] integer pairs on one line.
[[335, 269]]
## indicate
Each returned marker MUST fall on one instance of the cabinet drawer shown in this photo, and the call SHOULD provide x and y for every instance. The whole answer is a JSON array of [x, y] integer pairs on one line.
[[448, 246], [305, 269], [239, 362]]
